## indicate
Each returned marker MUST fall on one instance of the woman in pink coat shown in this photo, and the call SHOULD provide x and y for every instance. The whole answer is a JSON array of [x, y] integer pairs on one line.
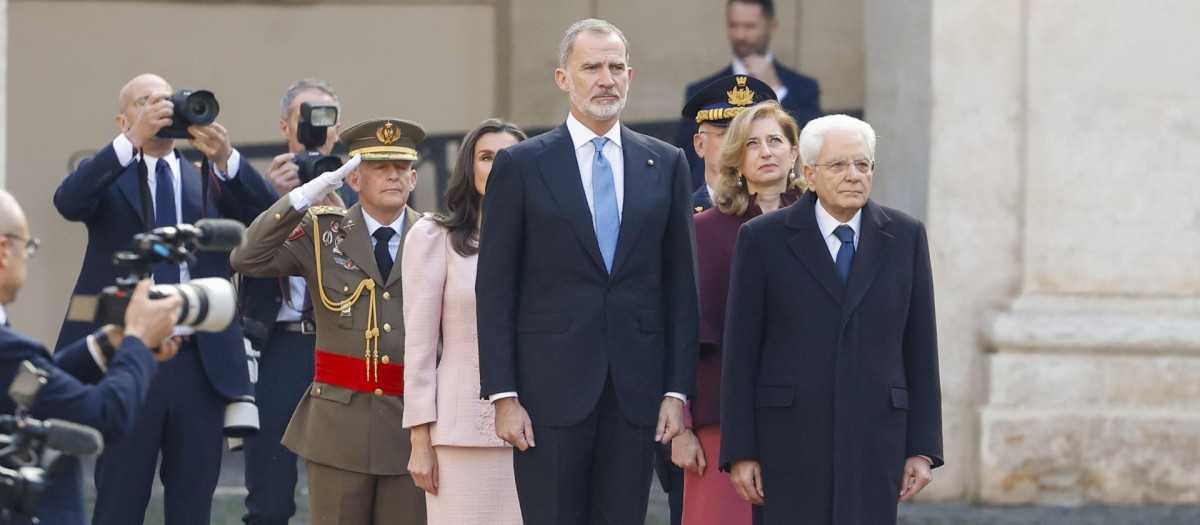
[[465, 470]]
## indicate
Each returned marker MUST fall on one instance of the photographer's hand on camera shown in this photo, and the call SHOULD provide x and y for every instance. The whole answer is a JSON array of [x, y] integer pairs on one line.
[[213, 141], [314, 191], [156, 113], [153, 320]]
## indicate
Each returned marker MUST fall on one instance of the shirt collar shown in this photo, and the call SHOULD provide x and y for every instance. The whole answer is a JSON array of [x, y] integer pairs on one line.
[[581, 135], [170, 157], [740, 69], [372, 224], [827, 223], [3, 316]]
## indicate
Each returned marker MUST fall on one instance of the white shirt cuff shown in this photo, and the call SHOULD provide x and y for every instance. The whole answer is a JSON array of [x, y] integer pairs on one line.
[[496, 397], [676, 395], [124, 149], [94, 349], [235, 160], [926, 458]]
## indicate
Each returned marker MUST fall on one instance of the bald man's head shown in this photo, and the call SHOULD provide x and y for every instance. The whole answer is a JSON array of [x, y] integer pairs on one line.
[[141, 86], [13, 262], [12, 217]]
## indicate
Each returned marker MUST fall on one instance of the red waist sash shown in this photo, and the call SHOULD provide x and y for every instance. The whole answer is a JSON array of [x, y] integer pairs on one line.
[[351, 372]]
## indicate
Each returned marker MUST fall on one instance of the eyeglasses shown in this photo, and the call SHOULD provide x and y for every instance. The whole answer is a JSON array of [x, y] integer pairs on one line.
[[31, 244], [713, 133], [839, 166]]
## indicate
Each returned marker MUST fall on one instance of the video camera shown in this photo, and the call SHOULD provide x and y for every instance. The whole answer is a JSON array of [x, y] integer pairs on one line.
[[209, 304], [30, 449], [192, 107], [312, 131]]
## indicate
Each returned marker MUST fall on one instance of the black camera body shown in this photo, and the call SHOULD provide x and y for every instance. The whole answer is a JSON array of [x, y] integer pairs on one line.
[[209, 304], [192, 107], [312, 130]]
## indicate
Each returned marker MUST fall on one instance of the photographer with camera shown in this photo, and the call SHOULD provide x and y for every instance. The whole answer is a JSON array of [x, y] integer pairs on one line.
[[137, 183], [99, 381], [277, 313]]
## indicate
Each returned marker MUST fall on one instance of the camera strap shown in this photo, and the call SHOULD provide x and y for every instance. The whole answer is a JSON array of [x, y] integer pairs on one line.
[[205, 175], [144, 191]]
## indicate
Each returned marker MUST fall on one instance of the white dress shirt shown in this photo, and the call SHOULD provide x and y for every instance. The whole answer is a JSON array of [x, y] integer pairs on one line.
[[739, 68], [585, 154], [397, 226], [827, 224]]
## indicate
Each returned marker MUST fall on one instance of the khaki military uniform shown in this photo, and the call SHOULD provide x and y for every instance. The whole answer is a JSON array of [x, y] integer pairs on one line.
[[335, 426]]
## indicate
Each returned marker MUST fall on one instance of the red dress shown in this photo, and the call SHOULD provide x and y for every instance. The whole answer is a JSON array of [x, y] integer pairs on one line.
[[711, 498]]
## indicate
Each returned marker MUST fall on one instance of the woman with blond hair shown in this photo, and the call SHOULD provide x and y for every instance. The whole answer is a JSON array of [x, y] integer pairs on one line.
[[465, 470], [757, 175]]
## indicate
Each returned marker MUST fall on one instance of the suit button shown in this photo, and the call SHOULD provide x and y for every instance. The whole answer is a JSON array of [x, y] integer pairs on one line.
[[318, 391], [345, 289], [386, 359], [378, 392], [386, 296], [387, 327]]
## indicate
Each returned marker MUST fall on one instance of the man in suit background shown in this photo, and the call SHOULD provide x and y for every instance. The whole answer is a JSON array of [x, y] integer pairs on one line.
[[99, 381], [830, 396], [751, 23], [185, 410], [587, 296], [349, 424], [278, 321]]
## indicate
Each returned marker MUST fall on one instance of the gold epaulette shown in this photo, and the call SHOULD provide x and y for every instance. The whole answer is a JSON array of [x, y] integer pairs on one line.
[[328, 210]]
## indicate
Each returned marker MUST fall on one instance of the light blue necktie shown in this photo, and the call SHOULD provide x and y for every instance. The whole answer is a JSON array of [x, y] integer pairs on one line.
[[604, 202]]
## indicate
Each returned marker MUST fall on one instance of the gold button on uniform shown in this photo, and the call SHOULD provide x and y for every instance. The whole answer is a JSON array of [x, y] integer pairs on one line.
[[378, 392], [386, 360], [387, 327], [318, 391], [278, 216], [387, 296]]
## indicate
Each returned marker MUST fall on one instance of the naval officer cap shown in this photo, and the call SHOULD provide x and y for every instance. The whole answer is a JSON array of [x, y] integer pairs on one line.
[[384, 139], [720, 101]]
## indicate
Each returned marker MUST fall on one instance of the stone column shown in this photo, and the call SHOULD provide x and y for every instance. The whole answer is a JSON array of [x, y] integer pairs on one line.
[[1094, 386]]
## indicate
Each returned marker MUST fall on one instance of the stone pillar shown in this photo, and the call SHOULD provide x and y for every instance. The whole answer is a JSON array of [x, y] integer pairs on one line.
[[1094, 386]]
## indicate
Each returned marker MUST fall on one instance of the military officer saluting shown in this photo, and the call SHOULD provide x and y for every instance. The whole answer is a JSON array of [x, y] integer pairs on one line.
[[348, 427]]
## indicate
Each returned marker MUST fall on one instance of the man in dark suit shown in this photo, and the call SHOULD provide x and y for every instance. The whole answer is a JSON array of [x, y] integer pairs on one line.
[[751, 24], [136, 183], [831, 405], [278, 321], [99, 380], [586, 295]]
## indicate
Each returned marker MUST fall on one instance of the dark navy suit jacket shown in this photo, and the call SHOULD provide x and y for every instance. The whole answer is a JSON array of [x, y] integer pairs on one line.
[[77, 390], [553, 323], [830, 385], [803, 101], [105, 196]]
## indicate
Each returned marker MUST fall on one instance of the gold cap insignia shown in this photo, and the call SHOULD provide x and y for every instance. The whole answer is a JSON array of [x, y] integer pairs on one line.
[[741, 95], [387, 133]]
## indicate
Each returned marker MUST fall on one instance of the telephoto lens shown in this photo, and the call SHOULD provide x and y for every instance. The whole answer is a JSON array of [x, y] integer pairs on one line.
[[209, 304]]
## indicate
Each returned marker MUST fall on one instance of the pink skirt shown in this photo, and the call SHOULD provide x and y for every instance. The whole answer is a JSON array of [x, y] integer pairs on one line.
[[711, 498], [475, 485]]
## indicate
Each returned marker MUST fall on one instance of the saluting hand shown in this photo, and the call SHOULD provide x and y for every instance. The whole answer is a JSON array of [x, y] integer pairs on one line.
[[322, 185], [155, 114], [513, 424], [213, 141]]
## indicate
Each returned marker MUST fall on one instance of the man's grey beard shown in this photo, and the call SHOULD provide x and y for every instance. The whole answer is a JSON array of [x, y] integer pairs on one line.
[[598, 111]]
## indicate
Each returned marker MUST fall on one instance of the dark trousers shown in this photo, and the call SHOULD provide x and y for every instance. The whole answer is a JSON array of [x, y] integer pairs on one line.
[[285, 370], [670, 477], [183, 418], [595, 472]]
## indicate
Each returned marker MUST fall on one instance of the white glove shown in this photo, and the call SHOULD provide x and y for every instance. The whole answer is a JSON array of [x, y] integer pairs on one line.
[[321, 185]]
